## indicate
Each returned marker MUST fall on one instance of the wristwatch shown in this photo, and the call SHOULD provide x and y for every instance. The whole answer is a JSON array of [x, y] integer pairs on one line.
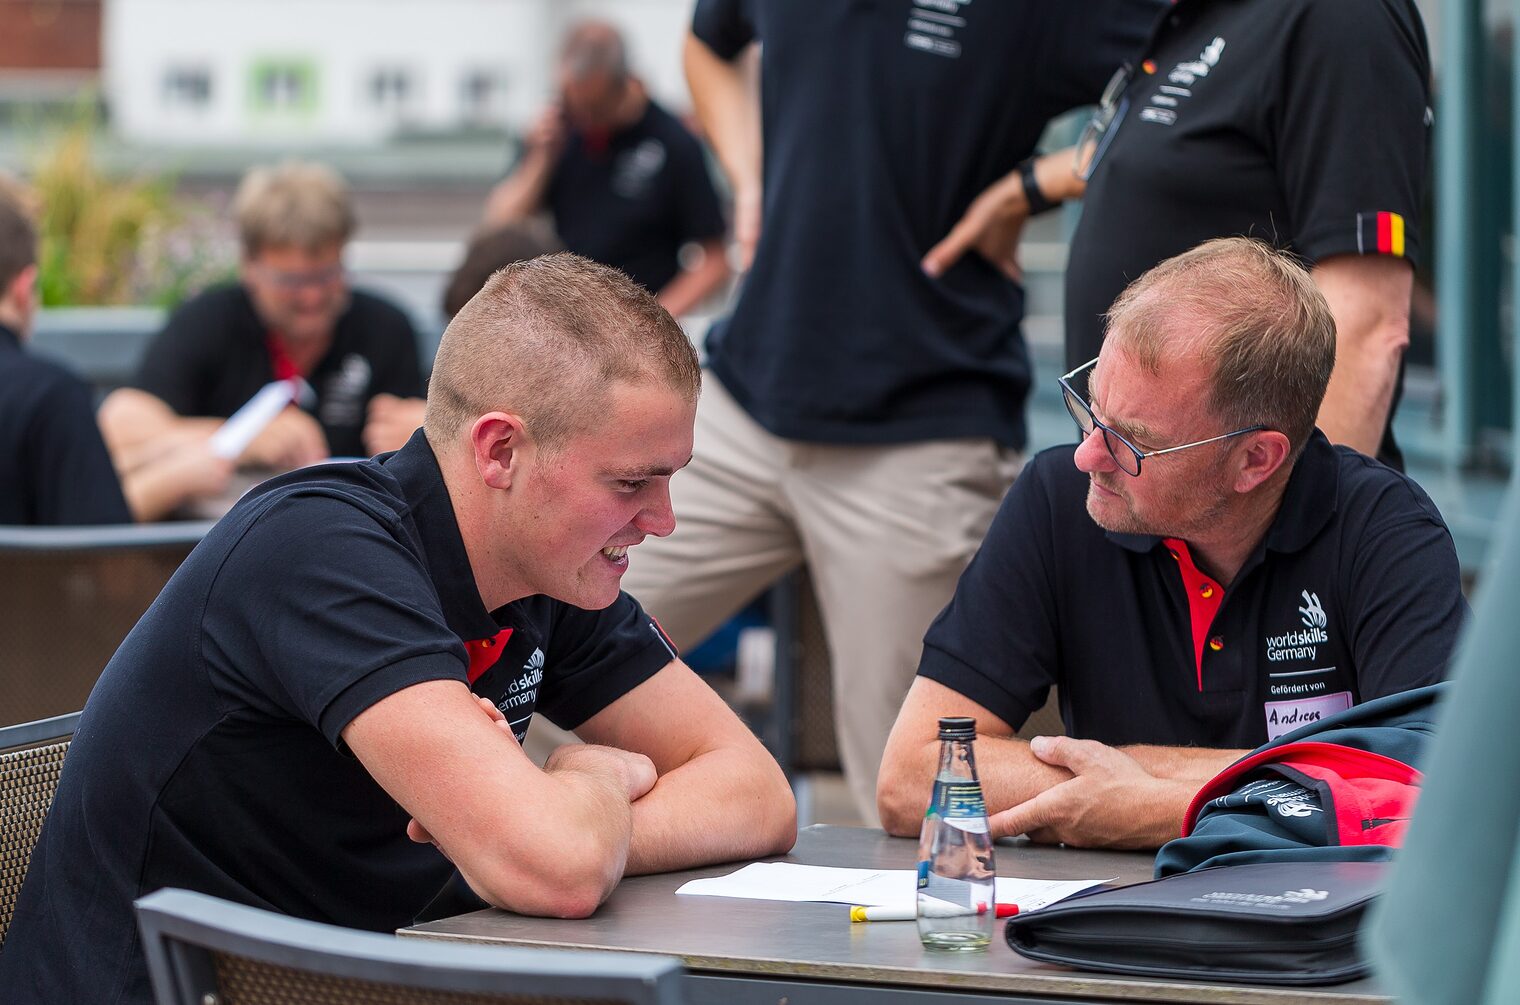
[[1032, 194]]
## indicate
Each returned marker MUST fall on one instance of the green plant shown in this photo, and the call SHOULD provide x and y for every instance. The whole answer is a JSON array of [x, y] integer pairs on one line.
[[105, 240]]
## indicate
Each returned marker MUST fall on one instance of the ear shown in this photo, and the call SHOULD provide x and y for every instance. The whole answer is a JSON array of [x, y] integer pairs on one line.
[[500, 445], [1259, 458], [22, 291]]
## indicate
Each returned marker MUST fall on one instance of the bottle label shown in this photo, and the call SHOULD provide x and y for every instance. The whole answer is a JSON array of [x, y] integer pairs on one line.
[[960, 804]]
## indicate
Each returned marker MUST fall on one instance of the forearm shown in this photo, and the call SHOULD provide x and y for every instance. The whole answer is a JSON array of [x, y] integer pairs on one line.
[[521, 194], [1192, 764], [132, 422], [692, 286], [720, 806], [1009, 773], [1057, 181], [1146, 818], [571, 850], [726, 105], [153, 492]]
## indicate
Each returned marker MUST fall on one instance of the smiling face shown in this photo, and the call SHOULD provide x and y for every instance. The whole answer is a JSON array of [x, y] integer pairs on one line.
[[298, 292], [1175, 495], [576, 510]]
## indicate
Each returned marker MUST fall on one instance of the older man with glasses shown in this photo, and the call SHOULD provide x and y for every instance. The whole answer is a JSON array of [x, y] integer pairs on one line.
[[1234, 575], [292, 314]]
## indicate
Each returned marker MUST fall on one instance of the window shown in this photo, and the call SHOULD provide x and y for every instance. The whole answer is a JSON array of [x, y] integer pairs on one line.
[[482, 94], [390, 89], [187, 87], [284, 85]]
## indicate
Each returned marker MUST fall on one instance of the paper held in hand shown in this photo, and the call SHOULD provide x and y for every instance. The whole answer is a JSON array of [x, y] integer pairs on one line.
[[244, 426], [868, 887]]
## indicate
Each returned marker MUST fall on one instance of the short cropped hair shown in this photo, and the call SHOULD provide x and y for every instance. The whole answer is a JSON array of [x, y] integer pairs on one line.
[[487, 252], [545, 339], [18, 234], [1257, 319], [294, 204]]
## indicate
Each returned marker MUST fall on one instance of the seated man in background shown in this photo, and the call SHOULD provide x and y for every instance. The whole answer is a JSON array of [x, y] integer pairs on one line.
[[54, 469], [321, 714], [1234, 575], [626, 183], [292, 314]]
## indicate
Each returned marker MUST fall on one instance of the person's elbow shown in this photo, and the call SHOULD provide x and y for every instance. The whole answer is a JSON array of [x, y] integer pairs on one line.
[[566, 877], [777, 813], [902, 791]]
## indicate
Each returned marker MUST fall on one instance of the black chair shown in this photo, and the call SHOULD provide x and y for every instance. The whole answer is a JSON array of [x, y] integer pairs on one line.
[[68, 596], [31, 759], [201, 949]]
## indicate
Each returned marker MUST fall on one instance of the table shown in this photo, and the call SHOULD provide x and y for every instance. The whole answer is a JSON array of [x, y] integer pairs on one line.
[[748, 952]]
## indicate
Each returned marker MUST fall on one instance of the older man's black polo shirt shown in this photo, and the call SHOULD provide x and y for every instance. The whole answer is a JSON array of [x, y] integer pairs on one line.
[[54, 468], [210, 756], [1354, 593]]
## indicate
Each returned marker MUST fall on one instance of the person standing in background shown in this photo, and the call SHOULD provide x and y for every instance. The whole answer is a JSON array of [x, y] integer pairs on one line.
[[1305, 124], [626, 183], [866, 415]]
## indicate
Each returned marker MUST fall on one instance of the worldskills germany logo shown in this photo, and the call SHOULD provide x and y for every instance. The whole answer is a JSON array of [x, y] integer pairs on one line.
[[1301, 644]]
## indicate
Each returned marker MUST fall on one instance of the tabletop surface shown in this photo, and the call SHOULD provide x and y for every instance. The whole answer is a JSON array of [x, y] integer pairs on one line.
[[817, 941]]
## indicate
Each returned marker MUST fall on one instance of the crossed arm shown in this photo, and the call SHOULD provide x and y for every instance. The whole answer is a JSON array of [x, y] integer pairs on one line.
[[1053, 788], [687, 784]]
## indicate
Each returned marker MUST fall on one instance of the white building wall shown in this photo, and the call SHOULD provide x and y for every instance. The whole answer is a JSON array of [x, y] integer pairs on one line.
[[339, 45]]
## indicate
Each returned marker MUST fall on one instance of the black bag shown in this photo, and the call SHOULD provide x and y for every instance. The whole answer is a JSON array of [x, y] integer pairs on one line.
[[1273, 923]]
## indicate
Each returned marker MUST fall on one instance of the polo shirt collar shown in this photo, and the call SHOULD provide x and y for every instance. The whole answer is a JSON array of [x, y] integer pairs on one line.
[[415, 467], [9, 339], [1308, 503]]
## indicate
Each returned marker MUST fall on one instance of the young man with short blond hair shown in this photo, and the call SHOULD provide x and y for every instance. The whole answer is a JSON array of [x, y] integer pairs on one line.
[[324, 709]]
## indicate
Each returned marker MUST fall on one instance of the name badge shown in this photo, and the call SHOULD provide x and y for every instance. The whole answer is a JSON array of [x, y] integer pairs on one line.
[[1286, 716]]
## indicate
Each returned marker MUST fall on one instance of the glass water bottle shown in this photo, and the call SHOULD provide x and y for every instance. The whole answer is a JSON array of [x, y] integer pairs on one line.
[[956, 899]]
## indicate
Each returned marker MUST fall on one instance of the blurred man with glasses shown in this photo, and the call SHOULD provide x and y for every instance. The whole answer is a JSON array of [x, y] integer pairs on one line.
[[291, 314], [1203, 572]]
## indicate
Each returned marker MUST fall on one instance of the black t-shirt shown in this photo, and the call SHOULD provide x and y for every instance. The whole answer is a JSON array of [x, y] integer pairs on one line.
[[1301, 122], [209, 754], [54, 468], [634, 200], [213, 356], [1353, 594], [882, 122]]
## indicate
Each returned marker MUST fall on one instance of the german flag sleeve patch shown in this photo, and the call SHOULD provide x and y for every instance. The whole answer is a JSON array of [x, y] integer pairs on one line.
[[1380, 234]]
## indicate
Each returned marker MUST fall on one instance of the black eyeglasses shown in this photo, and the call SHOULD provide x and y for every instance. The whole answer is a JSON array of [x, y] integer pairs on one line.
[[1125, 454]]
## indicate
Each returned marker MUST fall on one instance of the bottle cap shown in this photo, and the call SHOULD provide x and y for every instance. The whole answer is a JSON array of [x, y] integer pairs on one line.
[[957, 727]]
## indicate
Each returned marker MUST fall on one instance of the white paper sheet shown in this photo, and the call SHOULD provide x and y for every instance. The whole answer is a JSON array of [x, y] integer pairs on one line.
[[233, 436], [867, 887]]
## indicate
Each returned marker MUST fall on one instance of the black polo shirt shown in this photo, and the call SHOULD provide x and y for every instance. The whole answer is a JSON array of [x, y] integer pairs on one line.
[[54, 468], [1353, 594], [633, 198], [213, 355], [882, 122], [1302, 122], [209, 755]]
